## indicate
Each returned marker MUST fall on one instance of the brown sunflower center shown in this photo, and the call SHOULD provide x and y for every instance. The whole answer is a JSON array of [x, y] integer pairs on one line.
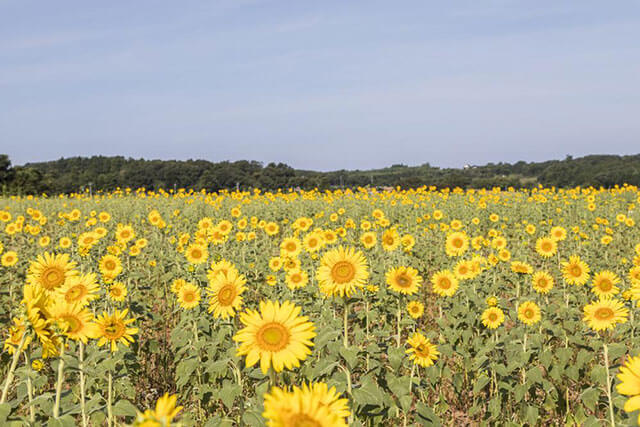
[[75, 293], [114, 329], [604, 313], [273, 337], [343, 272], [605, 285], [227, 294], [72, 323], [52, 277], [575, 270], [444, 283]]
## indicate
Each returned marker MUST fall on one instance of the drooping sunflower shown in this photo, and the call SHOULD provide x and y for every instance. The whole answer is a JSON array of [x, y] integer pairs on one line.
[[196, 254], [605, 314], [225, 294], [415, 309], [50, 271], [529, 313], [296, 279], [189, 296], [546, 247], [163, 414], [456, 243], [114, 328], [604, 284], [492, 317], [14, 335], [444, 283], [75, 320], [82, 289], [312, 405], [521, 267], [342, 271], [276, 336], [629, 385], [575, 271], [404, 280], [542, 282], [422, 351], [117, 291]]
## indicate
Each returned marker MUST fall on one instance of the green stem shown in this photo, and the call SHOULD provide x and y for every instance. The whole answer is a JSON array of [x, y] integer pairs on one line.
[[12, 368], [83, 409], [398, 324], [56, 407], [32, 413], [606, 366], [109, 399], [346, 324]]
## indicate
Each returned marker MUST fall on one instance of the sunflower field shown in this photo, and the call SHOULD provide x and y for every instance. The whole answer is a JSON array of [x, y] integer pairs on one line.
[[348, 307]]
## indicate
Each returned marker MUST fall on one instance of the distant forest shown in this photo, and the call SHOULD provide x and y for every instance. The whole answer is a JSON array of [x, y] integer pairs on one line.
[[107, 173]]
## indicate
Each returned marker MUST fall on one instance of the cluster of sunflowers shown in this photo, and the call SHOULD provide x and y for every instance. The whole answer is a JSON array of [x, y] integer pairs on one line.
[[321, 308]]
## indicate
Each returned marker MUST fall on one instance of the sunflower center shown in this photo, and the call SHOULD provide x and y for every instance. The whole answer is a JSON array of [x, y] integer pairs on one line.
[[422, 350], [604, 313], [273, 336], [388, 240], [75, 293], [73, 323], [605, 285], [493, 317], [116, 292], [110, 265], [445, 283], [403, 281], [528, 313], [576, 270], [196, 253], [189, 296], [546, 247], [343, 272], [114, 329], [291, 247], [457, 243], [52, 277], [227, 294], [542, 283]]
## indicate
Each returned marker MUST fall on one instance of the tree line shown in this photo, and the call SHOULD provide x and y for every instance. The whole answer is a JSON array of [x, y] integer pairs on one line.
[[74, 174]]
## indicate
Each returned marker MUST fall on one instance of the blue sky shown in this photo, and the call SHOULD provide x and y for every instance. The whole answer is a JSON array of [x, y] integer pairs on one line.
[[320, 85]]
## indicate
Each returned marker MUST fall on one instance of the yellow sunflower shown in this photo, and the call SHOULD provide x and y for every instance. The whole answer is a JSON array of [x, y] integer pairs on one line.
[[163, 414], [492, 317], [110, 267], [542, 282], [605, 314], [313, 242], [342, 271], [604, 284], [368, 239], [189, 296], [75, 320], [14, 336], [546, 246], [276, 336], [290, 247], [390, 240], [529, 313], [50, 271], [457, 243], [114, 328], [312, 405], [117, 291], [404, 280], [196, 253], [444, 283], [225, 294], [629, 385], [296, 279], [558, 233], [463, 270], [82, 289], [421, 350], [415, 309], [575, 271]]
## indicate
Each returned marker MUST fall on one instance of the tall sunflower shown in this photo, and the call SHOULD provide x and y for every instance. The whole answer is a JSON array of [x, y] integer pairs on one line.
[[444, 283], [404, 280], [575, 271], [312, 405], [225, 294], [82, 289], [110, 267], [422, 351], [114, 328], [456, 243], [196, 254], [546, 247], [276, 336], [529, 313], [542, 282], [189, 296], [604, 284], [75, 320], [605, 314], [629, 385], [342, 271], [492, 317], [50, 271]]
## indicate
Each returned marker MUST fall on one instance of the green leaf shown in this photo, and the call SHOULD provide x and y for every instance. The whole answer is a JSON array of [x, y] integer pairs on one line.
[[5, 410], [368, 393], [350, 355], [480, 384], [396, 355], [590, 397], [124, 408], [427, 414]]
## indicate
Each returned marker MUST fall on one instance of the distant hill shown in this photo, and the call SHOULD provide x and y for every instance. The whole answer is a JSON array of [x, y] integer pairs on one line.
[[69, 175]]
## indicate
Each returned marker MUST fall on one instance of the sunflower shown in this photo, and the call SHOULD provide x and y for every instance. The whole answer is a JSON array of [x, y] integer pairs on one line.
[[634, 275], [629, 385], [196, 253], [463, 270], [222, 266], [542, 282], [110, 266], [558, 233], [521, 267], [529, 313], [164, 412], [312, 405], [390, 240], [271, 228], [124, 233], [75, 320], [313, 242], [225, 293], [50, 271], [415, 309], [117, 291], [444, 283], [275, 336], [492, 317], [604, 284], [189, 296], [114, 328], [342, 271], [368, 239], [404, 280], [546, 246], [290, 247], [81, 289], [575, 271], [9, 259], [296, 279], [492, 301], [422, 351], [457, 243], [275, 263], [14, 336], [177, 284], [605, 314]]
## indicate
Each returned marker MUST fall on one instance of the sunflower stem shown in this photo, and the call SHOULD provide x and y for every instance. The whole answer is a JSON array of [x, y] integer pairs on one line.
[[398, 323], [606, 366], [27, 363], [12, 368], [346, 324], [56, 406], [83, 409], [109, 399]]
